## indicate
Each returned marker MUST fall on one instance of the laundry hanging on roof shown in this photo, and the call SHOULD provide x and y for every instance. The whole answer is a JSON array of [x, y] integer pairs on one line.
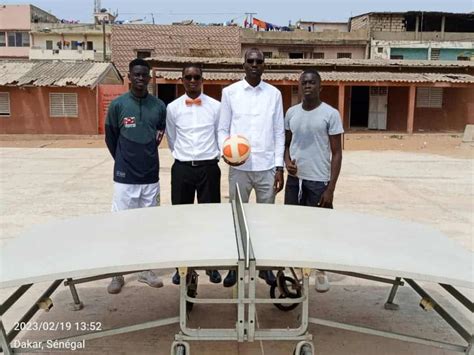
[[259, 23], [267, 26]]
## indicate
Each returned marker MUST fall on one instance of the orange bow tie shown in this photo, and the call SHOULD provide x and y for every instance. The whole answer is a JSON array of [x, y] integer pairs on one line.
[[190, 102]]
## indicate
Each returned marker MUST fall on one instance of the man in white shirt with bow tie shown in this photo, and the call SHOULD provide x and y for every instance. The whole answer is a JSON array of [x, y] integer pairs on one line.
[[253, 108], [192, 138]]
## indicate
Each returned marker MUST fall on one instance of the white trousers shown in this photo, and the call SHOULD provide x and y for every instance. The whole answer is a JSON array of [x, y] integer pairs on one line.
[[128, 196]]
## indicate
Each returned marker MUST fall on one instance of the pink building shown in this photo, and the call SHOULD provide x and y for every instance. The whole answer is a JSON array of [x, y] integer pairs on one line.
[[15, 26]]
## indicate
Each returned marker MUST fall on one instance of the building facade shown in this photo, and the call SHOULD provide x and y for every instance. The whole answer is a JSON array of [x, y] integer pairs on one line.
[[56, 97], [304, 44], [63, 41], [418, 35], [15, 27], [399, 96]]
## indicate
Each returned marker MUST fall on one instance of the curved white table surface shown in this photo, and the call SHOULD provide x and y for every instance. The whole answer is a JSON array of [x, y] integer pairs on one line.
[[335, 240], [203, 236], [140, 239]]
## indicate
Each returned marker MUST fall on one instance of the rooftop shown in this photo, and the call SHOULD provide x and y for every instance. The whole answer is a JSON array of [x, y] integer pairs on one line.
[[387, 63], [46, 73], [331, 77], [173, 40]]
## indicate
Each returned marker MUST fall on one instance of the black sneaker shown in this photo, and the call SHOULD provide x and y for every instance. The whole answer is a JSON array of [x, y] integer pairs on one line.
[[214, 276], [176, 278], [268, 276], [231, 279]]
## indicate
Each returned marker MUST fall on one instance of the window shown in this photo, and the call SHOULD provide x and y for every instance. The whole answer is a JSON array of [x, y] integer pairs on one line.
[[435, 53], [49, 44], [429, 97], [4, 104], [396, 56], [90, 45], [379, 49], [267, 54], [296, 55], [143, 54], [62, 104], [3, 42], [18, 39], [318, 55], [344, 55]]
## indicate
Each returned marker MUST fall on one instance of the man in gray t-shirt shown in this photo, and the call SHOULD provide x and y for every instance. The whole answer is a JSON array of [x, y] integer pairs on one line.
[[313, 152]]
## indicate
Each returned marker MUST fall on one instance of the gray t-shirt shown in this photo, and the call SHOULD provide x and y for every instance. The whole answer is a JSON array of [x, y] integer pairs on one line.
[[310, 145]]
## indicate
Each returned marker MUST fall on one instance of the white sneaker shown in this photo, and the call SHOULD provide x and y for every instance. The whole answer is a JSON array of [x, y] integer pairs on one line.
[[115, 285], [322, 282], [150, 278]]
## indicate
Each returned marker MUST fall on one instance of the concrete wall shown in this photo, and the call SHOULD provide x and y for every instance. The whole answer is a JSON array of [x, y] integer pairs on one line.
[[256, 38], [410, 53], [322, 26], [15, 17], [39, 40], [39, 51], [454, 53], [14, 52], [30, 112], [457, 111], [425, 36], [330, 52], [379, 22], [38, 15], [387, 23], [449, 50], [359, 22]]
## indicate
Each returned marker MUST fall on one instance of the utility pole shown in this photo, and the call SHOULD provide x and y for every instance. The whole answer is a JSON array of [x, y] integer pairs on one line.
[[249, 15], [152, 18], [104, 39]]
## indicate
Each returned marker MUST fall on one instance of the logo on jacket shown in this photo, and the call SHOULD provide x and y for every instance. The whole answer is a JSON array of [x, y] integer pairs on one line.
[[129, 122]]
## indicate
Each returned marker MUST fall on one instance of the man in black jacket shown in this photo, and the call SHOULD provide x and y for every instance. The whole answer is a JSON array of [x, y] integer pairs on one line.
[[133, 130]]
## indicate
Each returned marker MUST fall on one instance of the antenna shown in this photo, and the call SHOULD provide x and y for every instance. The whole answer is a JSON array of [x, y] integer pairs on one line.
[[97, 6]]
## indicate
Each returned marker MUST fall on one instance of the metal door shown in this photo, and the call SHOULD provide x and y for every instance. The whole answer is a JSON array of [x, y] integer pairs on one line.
[[378, 108]]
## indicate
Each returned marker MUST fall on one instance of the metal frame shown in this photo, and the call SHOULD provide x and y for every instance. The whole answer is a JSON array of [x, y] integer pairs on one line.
[[427, 303], [245, 328]]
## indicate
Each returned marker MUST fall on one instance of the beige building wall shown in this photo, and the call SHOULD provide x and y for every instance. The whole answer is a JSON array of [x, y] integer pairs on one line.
[[15, 17]]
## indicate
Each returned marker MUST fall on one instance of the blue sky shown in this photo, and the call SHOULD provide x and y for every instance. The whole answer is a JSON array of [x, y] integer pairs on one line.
[[278, 12]]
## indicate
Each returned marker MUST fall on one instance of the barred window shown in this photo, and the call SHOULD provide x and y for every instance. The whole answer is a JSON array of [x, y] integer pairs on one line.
[[429, 97], [4, 104], [63, 104], [344, 55]]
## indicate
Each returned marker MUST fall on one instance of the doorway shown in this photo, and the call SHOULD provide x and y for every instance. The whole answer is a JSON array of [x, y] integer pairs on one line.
[[167, 92], [359, 107]]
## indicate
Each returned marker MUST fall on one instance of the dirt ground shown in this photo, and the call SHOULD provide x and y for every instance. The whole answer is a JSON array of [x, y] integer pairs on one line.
[[447, 144], [424, 178]]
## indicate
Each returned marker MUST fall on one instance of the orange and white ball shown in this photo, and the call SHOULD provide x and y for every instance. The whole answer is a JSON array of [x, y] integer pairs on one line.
[[236, 149]]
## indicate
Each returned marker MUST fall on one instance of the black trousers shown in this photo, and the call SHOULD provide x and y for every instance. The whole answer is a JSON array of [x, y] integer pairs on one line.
[[187, 180]]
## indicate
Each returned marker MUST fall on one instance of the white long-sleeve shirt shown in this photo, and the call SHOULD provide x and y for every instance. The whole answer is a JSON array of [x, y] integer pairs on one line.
[[257, 114], [192, 130]]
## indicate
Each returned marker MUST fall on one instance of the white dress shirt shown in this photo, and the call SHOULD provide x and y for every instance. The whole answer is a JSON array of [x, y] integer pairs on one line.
[[192, 130], [257, 114]]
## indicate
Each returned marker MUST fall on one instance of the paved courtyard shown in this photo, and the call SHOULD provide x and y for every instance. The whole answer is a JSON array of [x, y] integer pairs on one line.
[[42, 184]]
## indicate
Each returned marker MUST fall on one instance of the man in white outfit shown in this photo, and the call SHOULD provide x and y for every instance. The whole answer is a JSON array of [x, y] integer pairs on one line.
[[253, 108]]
